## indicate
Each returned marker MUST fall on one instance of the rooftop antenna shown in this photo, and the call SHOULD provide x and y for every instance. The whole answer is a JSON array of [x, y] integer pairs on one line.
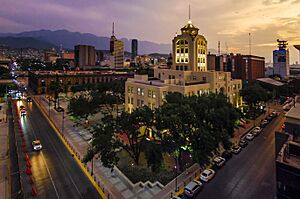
[[249, 43], [113, 29], [189, 14]]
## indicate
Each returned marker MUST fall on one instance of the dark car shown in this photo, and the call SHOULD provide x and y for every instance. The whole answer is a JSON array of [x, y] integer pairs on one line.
[[269, 118], [243, 143], [28, 99], [236, 149], [227, 155]]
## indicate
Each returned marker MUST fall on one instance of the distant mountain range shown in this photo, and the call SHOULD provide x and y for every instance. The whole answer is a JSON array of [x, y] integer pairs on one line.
[[46, 39]]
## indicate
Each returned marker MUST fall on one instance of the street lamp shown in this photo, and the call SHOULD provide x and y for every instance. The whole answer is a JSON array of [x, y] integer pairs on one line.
[[176, 183], [49, 106], [63, 120]]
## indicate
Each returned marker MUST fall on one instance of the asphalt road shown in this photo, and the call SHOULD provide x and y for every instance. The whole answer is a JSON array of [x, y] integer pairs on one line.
[[251, 173], [55, 172]]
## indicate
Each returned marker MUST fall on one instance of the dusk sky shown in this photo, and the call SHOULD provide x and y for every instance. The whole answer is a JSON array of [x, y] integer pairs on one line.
[[228, 21]]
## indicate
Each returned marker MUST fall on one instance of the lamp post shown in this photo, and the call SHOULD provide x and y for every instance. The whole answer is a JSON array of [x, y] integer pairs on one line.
[[176, 183], [63, 120], [49, 106]]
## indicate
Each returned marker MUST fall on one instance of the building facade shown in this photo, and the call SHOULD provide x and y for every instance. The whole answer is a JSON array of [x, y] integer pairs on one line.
[[116, 51], [248, 67], [39, 81], [281, 65], [187, 75], [84, 56], [288, 156], [134, 49]]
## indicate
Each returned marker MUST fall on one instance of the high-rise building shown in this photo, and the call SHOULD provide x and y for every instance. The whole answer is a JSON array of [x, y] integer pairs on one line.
[[116, 51], [188, 75], [281, 65], [84, 56], [215, 62], [134, 49]]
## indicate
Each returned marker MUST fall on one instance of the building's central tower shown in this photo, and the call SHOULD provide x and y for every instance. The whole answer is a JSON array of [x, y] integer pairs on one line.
[[189, 50]]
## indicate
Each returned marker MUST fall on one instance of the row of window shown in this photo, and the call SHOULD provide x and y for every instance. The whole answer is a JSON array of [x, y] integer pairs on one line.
[[182, 60], [201, 60], [182, 50], [140, 91], [181, 67]]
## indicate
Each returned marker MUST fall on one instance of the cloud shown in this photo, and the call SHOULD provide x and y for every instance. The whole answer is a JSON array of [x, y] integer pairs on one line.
[[272, 2]]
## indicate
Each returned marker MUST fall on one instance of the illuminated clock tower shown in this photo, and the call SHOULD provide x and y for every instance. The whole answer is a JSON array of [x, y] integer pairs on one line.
[[189, 49]]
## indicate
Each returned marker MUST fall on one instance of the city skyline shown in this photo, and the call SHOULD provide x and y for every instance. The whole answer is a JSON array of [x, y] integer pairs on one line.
[[227, 21]]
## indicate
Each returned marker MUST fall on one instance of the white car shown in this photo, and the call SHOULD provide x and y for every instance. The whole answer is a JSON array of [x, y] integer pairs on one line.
[[236, 149], [36, 144], [23, 112], [207, 175], [219, 161], [193, 188], [257, 130], [249, 136]]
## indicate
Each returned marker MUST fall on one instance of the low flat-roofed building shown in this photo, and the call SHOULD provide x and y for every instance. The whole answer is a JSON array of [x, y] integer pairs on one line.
[[39, 81]]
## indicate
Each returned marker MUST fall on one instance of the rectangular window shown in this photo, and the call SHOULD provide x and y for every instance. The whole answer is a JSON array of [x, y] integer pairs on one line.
[[153, 94], [142, 91], [129, 89], [164, 95], [142, 102], [138, 103], [128, 100], [132, 100], [139, 91], [149, 93]]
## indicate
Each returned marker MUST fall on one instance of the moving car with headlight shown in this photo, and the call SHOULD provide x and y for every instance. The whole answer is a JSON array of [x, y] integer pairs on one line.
[[36, 144]]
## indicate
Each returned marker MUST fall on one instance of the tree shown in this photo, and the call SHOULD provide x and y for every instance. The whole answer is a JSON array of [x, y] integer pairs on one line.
[[253, 94], [54, 89], [83, 105], [153, 155], [104, 143], [130, 129]]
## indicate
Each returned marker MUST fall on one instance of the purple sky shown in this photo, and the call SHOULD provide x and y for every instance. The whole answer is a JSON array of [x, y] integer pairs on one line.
[[228, 21]]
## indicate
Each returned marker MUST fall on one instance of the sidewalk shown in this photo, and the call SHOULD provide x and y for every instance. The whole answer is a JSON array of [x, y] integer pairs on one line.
[[4, 160], [117, 186]]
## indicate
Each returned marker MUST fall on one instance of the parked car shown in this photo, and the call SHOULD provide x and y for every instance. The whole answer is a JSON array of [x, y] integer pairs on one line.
[[22, 107], [207, 175], [219, 161], [243, 143], [226, 154], [36, 144], [274, 114], [193, 188], [236, 149], [175, 197], [269, 118], [257, 130], [264, 123], [250, 136]]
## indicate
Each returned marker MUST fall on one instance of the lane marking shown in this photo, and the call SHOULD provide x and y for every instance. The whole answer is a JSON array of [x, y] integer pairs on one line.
[[64, 167], [43, 157], [99, 190]]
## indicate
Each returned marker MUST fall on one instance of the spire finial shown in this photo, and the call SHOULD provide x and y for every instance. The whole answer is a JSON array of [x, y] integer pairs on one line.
[[113, 29], [189, 14]]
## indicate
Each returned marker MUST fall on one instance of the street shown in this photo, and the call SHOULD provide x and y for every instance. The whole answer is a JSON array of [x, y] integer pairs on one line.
[[251, 173], [55, 172]]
